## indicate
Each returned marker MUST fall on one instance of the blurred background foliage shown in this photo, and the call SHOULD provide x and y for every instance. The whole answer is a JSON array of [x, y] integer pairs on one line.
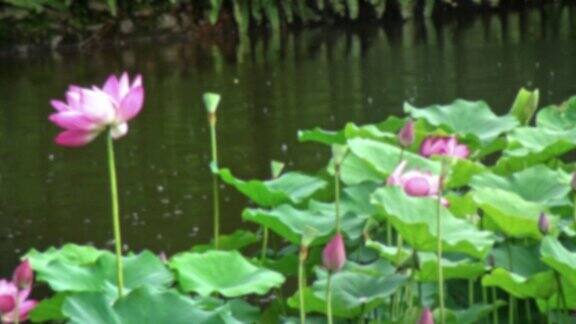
[[51, 21]]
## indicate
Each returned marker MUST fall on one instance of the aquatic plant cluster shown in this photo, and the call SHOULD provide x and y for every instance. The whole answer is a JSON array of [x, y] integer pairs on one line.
[[93, 19], [450, 214]]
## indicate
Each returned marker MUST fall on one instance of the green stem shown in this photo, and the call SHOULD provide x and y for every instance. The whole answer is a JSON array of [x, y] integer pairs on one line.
[[439, 243], [301, 287], [511, 309], [495, 307], [115, 215], [329, 298], [561, 299], [16, 309], [216, 207], [484, 296], [215, 189], [511, 299], [528, 311], [388, 233], [470, 292], [264, 243], [337, 195]]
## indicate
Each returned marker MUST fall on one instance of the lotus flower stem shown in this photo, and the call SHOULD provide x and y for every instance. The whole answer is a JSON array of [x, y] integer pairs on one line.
[[329, 298], [265, 235], [511, 309], [484, 295], [561, 299], [215, 190], [528, 311], [17, 309], [494, 306], [470, 292], [439, 242], [302, 282], [115, 214], [337, 195]]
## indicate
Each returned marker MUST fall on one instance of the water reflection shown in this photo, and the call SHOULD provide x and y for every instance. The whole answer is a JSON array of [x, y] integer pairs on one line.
[[272, 85]]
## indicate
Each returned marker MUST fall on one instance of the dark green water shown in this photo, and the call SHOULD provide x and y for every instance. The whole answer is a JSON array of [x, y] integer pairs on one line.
[[271, 88]]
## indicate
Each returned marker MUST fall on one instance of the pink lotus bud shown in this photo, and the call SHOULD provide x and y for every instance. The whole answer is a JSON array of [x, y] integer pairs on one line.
[[427, 317], [23, 275], [162, 256], [406, 134], [7, 303], [334, 254], [543, 224], [573, 181]]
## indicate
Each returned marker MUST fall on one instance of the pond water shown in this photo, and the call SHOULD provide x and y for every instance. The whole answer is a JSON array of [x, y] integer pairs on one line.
[[272, 87]]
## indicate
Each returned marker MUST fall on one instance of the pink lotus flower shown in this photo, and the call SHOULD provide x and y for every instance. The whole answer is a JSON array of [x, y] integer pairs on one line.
[[334, 254], [9, 294], [415, 183], [89, 111], [444, 145]]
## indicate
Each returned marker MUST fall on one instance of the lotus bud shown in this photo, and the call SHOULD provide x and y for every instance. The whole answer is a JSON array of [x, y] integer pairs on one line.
[[7, 304], [406, 134], [427, 317], [23, 275], [573, 181], [543, 224], [334, 254], [211, 101]]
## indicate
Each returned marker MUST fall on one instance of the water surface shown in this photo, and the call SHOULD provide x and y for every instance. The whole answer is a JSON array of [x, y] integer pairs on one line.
[[271, 88]]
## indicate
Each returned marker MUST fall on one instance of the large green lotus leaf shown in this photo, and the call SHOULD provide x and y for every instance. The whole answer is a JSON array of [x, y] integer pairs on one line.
[[355, 170], [384, 157], [225, 272], [455, 267], [144, 269], [540, 285], [322, 136], [315, 304], [519, 270], [538, 184], [466, 118], [415, 219], [561, 117], [143, 305], [240, 309], [559, 258], [49, 309], [529, 146], [462, 172], [69, 253], [568, 295], [461, 205], [390, 253], [291, 187], [510, 213], [371, 131], [292, 223], [473, 314], [235, 241], [352, 290]]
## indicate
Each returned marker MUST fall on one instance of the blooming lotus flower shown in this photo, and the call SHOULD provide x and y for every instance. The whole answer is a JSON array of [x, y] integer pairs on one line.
[[23, 275], [444, 145], [426, 317], [334, 254], [415, 183], [9, 293], [406, 134], [89, 111]]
